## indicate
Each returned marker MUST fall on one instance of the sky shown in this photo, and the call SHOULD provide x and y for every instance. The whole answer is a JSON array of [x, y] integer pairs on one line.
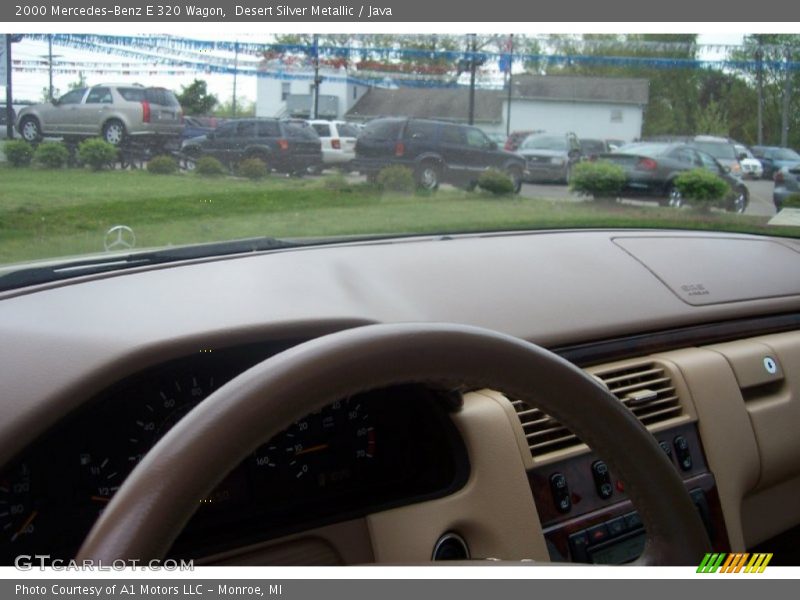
[[29, 85]]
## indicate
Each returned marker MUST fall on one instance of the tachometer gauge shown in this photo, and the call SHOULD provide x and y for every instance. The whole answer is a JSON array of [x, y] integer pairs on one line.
[[17, 513], [323, 450]]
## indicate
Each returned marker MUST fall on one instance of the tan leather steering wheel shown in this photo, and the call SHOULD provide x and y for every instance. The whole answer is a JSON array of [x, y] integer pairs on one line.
[[161, 494]]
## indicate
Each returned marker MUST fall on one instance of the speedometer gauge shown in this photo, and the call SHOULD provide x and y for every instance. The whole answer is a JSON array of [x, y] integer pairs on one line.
[[17, 513], [325, 449]]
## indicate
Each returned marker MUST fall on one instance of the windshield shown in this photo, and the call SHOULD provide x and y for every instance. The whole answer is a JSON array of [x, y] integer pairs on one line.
[[543, 142], [301, 137], [785, 154], [721, 150]]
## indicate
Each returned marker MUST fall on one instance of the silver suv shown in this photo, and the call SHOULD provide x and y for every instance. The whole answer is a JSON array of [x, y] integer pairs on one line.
[[114, 112]]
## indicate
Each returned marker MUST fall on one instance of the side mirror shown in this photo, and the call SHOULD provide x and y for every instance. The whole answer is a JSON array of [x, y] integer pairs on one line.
[[492, 145], [54, 102]]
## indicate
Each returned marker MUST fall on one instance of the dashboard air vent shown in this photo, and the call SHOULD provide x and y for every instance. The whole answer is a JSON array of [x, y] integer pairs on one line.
[[645, 388]]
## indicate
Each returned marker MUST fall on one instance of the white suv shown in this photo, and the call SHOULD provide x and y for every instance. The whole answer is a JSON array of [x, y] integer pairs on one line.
[[338, 142]]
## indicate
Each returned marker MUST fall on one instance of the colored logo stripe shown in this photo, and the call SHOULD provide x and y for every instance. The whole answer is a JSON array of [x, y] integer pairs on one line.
[[734, 563]]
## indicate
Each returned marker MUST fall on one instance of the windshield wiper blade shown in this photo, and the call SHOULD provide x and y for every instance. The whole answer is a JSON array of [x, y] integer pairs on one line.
[[45, 274]]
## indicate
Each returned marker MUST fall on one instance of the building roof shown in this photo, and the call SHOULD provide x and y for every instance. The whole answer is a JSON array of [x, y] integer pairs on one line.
[[450, 104], [570, 88], [453, 103]]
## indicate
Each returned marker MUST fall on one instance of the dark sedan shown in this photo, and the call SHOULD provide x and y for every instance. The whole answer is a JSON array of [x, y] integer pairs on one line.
[[651, 169], [787, 185], [774, 158]]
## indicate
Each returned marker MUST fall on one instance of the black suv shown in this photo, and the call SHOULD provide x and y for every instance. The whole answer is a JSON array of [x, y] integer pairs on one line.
[[284, 146], [437, 152]]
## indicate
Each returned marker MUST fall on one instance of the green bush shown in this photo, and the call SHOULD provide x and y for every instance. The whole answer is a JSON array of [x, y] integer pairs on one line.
[[252, 168], [97, 153], [51, 155], [162, 165], [18, 153], [496, 182], [338, 184], [396, 178], [702, 188], [599, 179], [792, 201], [208, 166]]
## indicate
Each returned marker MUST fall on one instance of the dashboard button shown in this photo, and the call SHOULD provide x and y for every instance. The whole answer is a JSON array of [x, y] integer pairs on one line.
[[633, 520], [682, 453], [598, 533], [602, 479], [560, 490], [617, 526]]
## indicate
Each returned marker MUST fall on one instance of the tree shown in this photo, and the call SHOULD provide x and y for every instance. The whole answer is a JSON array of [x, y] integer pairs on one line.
[[76, 85], [244, 108], [195, 99]]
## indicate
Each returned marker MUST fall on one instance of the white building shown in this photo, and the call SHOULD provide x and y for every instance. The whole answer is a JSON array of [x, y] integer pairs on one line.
[[290, 93], [591, 107]]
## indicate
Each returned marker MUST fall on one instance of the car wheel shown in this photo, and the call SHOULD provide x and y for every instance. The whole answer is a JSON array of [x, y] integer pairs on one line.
[[30, 130], [739, 202], [674, 197], [516, 179], [427, 176], [114, 132]]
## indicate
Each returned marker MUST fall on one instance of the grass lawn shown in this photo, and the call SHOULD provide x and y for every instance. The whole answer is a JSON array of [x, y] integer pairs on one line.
[[48, 213]]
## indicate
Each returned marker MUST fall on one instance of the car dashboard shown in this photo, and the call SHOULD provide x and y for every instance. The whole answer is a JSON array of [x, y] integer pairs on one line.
[[696, 333]]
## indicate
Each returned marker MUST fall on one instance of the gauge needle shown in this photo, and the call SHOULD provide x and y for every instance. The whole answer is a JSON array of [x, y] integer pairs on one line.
[[316, 448], [27, 522], [100, 499]]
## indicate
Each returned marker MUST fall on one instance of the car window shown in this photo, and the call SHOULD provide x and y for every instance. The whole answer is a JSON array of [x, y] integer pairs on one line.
[[131, 94], [544, 142], [421, 130], [99, 95], [684, 155], [73, 97], [225, 131], [294, 130], [160, 96], [709, 162], [593, 146], [268, 129], [246, 129], [322, 129], [786, 154], [477, 139], [452, 134], [383, 129], [347, 130]]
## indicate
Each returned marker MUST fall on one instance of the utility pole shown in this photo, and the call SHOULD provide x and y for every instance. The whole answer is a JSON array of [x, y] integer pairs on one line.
[[317, 79], [787, 96], [510, 82], [9, 95], [235, 71], [472, 67], [50, 65], [760, 84]]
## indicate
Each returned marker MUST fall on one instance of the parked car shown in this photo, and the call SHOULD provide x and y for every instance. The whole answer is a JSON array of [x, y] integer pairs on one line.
[[283, 146], [591, 148], [517, 137], [195, 127], [550, 157], [651, 169], [751, 166], [338, 140], [774, 158], [721, 149], [614, 144], [787, 184], [437, 151], [114, 112]]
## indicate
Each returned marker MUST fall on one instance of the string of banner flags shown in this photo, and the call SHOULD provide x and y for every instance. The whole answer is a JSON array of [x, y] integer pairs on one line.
[[357, 64]]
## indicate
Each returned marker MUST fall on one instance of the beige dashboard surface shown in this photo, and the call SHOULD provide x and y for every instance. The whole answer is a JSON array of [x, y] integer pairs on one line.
[[64, 343]]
